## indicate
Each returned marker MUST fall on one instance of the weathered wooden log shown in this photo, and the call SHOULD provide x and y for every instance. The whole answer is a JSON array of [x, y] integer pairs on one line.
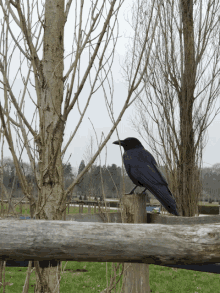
[[111, 242]]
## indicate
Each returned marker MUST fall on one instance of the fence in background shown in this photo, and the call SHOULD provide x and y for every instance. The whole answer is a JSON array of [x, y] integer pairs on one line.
[[81, 204], [91, 206]]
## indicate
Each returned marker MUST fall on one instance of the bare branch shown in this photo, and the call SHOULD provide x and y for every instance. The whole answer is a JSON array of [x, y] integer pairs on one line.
[[68, 5], [11, 147]]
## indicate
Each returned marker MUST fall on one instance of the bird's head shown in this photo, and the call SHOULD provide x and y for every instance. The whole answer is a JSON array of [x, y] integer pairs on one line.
[[129, 143]]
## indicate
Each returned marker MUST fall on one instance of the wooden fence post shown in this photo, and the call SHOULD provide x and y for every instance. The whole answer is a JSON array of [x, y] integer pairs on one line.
[[31, 207], [80, 208], [136, 275], [30, 186], [64, 213], [20, 208], [94, 208], [89, 208]]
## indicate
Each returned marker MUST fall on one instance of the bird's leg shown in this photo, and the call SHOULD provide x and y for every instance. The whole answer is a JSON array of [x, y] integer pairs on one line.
[[132, 191]]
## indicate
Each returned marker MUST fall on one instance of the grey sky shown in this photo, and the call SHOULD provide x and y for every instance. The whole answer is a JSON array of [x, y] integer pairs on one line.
[[98, 114]]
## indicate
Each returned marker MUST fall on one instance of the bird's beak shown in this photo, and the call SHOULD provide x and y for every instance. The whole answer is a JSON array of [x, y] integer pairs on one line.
[[118, 142]]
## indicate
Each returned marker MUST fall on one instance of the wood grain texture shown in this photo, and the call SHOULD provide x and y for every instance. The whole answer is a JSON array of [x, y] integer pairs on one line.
[[139, 243]]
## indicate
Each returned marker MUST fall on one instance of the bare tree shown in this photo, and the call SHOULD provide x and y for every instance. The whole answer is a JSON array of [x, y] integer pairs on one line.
[[31, 28], [216, 168], [182, 91]]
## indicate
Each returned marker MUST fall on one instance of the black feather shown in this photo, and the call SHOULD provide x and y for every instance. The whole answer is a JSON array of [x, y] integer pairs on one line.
[[142, 169]]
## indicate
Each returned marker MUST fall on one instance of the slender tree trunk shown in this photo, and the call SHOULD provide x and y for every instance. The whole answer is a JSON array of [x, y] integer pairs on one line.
[[187, 200], [51, 201], [51, 126]]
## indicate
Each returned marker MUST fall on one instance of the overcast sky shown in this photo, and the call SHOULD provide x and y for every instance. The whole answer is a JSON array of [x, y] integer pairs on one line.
[[98, 114]]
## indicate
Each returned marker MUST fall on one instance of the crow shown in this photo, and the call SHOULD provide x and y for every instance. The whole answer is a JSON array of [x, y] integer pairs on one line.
[[142, 169]]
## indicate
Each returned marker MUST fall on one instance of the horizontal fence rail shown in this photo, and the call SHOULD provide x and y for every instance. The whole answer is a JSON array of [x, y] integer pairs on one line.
[[109, 242], [208, 268]]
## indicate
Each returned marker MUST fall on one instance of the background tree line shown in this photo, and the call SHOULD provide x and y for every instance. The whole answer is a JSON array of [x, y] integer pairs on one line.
[[101, 180]]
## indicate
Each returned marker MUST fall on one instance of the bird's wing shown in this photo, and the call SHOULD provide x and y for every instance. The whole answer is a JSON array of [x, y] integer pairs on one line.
[[143, 171], [141, 164], [161, 174]]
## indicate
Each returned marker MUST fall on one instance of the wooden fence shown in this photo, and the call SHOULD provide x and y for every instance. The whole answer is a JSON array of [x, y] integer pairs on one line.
[[90, 205], [138, 243], [159, 240], [95, 205]]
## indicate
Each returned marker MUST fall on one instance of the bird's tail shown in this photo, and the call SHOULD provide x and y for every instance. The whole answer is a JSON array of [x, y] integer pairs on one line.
[[165, 197]]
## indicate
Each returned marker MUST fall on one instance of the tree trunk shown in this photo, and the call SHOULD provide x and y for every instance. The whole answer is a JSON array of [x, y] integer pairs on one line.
[[187, 197], [51, 201]]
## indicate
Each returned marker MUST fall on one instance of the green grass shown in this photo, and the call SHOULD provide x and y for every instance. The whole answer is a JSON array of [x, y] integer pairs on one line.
[[15, 279], [91, 278], [72, 210], [207, 204], [25, 209], [75, 210], [86, 277], [164, 280]]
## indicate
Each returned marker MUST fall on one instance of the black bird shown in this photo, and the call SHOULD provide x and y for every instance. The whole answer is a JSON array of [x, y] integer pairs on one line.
[[142, 169]]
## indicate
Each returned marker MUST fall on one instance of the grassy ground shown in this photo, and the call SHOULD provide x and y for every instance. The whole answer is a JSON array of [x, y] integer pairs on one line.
[[86, 277], [72, 210], [75, 210], [25, 209], [214, 204]]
